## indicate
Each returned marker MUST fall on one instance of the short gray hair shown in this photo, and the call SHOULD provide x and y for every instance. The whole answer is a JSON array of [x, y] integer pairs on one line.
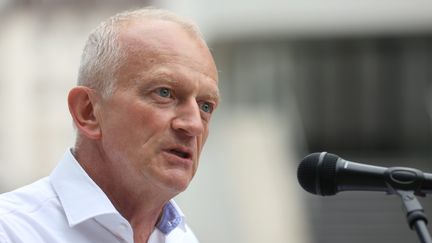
[[103, 55]]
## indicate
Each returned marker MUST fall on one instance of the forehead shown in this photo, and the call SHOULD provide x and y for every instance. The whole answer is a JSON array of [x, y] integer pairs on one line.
[[147, 42]]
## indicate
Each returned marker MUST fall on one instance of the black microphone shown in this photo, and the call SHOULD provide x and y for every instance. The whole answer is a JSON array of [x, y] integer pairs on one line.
[[326, 174]]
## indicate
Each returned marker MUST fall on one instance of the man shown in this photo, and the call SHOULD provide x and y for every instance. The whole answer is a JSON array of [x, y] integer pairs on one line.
[[146, 91]]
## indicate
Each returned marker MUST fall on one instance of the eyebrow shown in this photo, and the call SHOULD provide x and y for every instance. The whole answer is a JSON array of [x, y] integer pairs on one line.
[[214, 96], [154, 76]]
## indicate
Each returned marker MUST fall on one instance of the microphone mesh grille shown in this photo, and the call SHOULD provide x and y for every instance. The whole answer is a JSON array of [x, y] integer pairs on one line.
[[328, 175], [306, 172], [318, 178]]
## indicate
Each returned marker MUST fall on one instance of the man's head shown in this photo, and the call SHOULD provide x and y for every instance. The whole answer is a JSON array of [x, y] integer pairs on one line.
[[150, 87], [103, 53]]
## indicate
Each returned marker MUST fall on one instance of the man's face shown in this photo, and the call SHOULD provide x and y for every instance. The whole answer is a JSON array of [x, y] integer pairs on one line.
[[156, 121]]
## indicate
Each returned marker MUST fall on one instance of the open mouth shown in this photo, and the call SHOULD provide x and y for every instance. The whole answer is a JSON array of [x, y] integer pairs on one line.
[[180, 153]]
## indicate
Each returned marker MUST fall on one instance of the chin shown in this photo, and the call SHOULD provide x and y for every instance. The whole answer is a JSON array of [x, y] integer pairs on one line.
[[178, 183]]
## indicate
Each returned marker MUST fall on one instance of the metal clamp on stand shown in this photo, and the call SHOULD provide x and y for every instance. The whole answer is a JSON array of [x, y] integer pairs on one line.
[[415, 214]]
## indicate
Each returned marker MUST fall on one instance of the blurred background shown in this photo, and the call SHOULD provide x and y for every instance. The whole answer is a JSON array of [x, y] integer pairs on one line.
[[349, 77]]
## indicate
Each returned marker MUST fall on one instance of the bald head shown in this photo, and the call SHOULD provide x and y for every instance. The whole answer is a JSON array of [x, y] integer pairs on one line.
[[104, 52]]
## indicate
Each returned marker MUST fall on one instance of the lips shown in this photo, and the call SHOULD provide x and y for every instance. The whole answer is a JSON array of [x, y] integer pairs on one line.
[[181, 152], [184, 155]]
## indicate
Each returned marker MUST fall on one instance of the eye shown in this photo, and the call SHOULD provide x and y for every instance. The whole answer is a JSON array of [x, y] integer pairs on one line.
[[164, 92], [206, 107]]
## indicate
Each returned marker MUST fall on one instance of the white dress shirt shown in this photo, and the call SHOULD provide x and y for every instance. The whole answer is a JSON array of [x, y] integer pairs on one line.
[[68, 206]]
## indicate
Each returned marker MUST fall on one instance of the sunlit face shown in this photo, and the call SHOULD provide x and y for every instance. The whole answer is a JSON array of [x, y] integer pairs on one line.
[[157, 120]]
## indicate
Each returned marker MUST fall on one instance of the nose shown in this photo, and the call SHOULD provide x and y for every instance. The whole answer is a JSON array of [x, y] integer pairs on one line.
[[188, 119]]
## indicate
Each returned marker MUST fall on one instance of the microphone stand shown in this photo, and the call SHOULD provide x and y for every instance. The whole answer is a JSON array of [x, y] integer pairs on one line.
[[415, 215]]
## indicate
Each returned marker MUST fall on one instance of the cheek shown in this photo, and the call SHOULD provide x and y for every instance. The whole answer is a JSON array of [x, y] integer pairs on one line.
[[155, 124], [201, 140], [149, 126], [145, 116], [205, 135]]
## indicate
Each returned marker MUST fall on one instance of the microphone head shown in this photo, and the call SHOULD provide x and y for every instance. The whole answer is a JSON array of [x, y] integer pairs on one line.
[[317, 173]]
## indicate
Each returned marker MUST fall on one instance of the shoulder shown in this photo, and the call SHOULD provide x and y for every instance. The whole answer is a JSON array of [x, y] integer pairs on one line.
[[24, 208], [26, 199]]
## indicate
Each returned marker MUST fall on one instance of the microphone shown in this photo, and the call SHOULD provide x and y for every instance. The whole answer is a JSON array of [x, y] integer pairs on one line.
[[326, 174]]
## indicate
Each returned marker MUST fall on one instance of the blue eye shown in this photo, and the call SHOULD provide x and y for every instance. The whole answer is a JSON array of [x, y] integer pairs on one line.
[[164, 92], [206, 107]]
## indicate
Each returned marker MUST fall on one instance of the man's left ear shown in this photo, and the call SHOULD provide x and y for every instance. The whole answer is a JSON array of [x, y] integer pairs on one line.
[[82, 109]]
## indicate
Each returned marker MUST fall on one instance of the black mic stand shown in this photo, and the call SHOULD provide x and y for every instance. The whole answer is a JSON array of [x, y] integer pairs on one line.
[[415, 215]]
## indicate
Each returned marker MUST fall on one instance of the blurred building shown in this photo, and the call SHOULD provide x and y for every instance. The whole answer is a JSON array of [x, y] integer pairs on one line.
[[348, 77]]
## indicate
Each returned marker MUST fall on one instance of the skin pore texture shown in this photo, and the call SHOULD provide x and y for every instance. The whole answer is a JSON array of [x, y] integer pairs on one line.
[[141, 145]]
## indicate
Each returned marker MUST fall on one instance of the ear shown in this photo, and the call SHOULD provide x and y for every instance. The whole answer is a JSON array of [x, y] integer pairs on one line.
[[82, 108]]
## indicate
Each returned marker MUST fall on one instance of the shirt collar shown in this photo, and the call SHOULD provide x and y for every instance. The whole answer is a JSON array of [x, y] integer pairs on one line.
[[77, 191], [172, 217]]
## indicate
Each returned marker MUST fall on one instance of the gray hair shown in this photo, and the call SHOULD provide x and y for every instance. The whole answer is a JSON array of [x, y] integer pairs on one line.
[[103, 55]]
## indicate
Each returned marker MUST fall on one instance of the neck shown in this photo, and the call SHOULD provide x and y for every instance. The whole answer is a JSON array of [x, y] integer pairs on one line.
[[142, 212], [140, 204]]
